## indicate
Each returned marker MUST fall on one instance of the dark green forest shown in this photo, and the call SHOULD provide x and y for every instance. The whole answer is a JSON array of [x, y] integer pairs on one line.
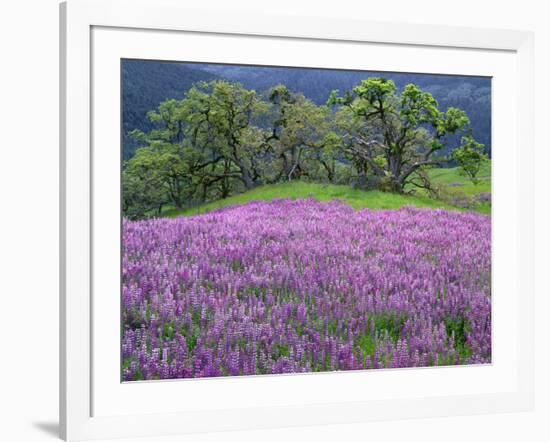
[[146, 84], [208, 138]]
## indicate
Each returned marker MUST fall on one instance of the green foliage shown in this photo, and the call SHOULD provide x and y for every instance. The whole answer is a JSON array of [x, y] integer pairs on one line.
[[204, 148], [280, 350], [392, 126], [418, 107], [147, 83], [169, 332], [300, 139], [366, 344], [470, 157], [458, 329], [388, 323], [374, 92], [452, 121], [143, 185], [222, 139], [191, 335]]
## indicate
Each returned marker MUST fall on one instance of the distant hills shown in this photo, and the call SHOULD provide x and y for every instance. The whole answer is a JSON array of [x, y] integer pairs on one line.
[[147, 83]]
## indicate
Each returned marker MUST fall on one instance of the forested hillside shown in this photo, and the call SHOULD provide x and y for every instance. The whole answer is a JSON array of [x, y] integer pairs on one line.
[[223, 139], [146, 84]]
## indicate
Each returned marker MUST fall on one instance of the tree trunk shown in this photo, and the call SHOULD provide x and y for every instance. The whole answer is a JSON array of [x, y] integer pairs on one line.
[[397, 184]]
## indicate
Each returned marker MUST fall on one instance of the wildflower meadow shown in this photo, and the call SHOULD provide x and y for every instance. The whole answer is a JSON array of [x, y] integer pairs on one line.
[[293, 286]]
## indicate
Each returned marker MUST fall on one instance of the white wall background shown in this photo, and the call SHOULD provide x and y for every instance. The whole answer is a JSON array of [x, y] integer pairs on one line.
[[29, 229]]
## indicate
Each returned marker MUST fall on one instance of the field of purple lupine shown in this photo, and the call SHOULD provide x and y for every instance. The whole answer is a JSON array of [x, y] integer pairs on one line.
[[302, 286]]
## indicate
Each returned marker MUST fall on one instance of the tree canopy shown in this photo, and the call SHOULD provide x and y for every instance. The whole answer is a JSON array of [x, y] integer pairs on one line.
[[394, 134], [221, 139]]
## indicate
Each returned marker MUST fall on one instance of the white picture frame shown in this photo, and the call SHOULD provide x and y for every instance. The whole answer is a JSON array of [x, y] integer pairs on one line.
[[78, 382]]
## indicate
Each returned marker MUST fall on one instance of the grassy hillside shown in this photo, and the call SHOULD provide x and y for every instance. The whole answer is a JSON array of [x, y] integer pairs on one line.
[[452, 178], [298, 189], [454, 186], [459, 190]]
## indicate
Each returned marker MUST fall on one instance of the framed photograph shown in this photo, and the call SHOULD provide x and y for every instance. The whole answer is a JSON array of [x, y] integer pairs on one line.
[[287, 221]]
